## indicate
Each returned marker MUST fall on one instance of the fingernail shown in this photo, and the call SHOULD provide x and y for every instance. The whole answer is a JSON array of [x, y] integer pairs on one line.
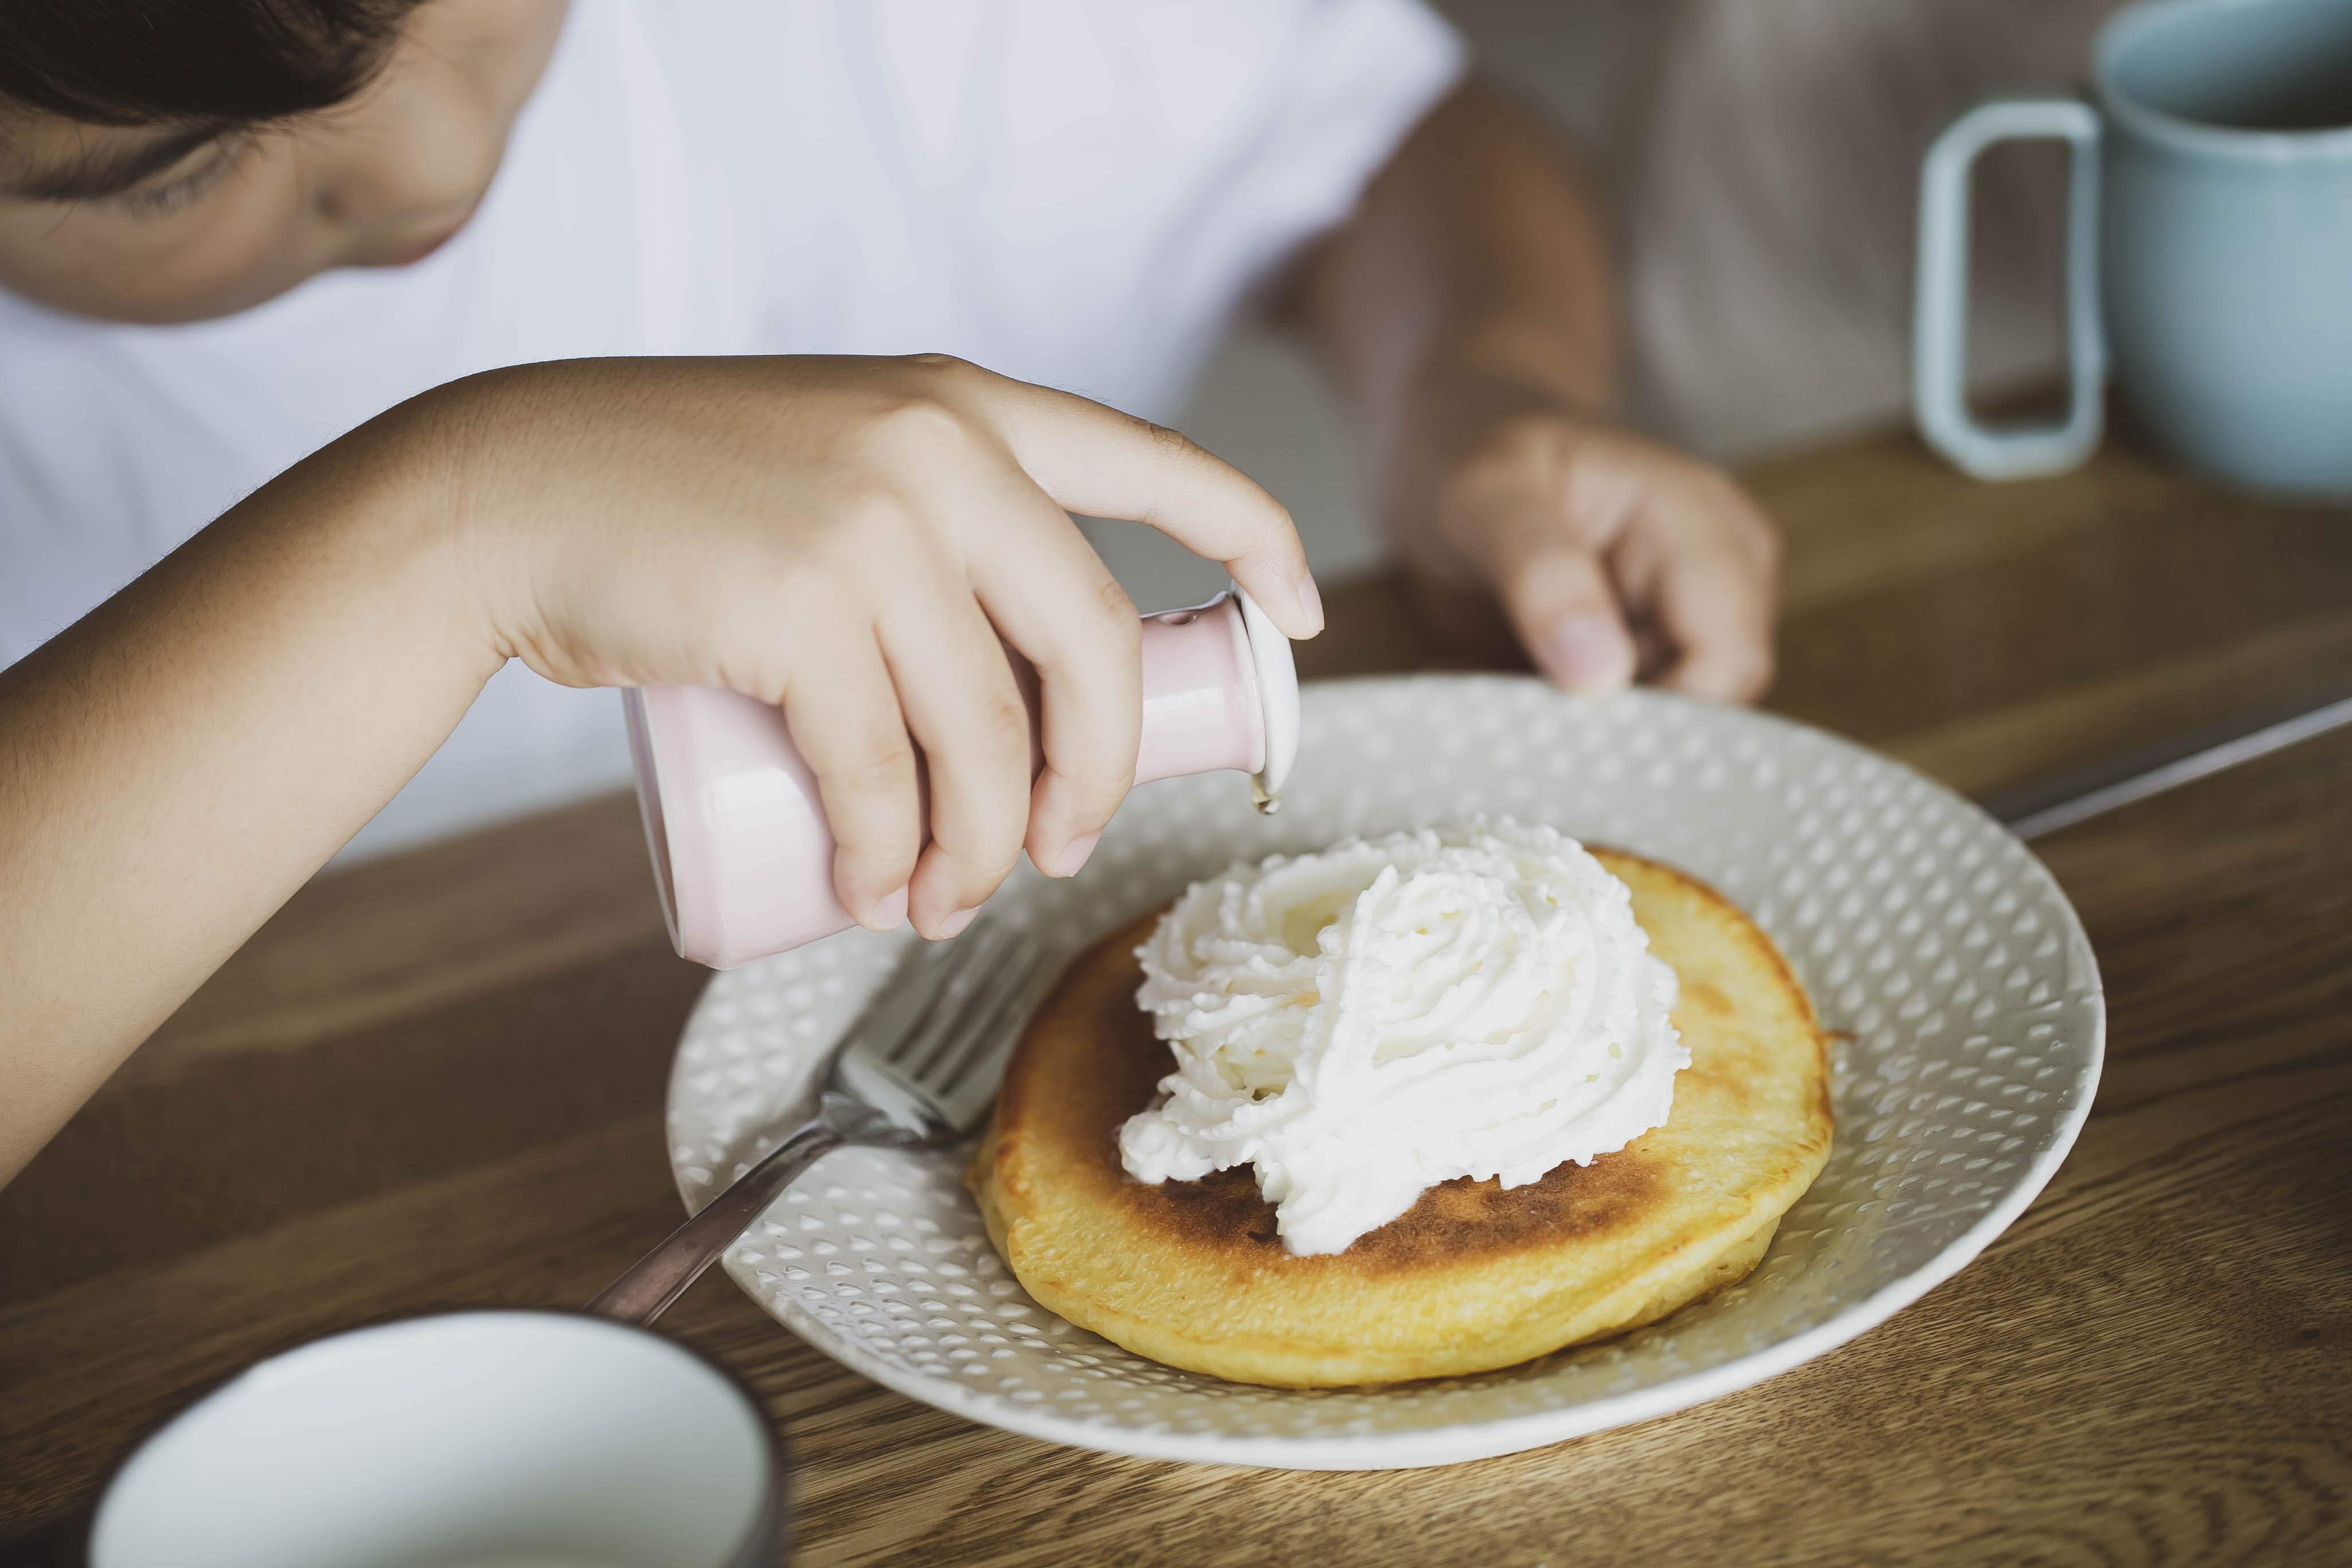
[[888, 911], [1310, 599], [1074, 855], [955, 924], [1589, 654]]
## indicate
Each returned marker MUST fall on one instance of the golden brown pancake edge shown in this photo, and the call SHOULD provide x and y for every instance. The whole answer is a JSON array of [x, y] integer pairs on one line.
[[1192, 1274]]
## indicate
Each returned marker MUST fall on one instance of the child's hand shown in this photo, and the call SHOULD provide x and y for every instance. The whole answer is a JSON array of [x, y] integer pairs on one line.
[[1614, 558], [848, 539], [1467, 308]]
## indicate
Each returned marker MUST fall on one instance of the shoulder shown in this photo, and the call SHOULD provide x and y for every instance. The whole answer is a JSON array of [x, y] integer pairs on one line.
[[1182, 58]]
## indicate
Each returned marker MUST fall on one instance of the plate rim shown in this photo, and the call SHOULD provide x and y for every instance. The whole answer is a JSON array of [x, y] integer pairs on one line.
[[1460, 1442]]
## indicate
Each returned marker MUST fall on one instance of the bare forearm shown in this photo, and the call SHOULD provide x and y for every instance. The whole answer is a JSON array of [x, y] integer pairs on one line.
[[1467, 310], [175, 765], [1477, 261], [857, 541]]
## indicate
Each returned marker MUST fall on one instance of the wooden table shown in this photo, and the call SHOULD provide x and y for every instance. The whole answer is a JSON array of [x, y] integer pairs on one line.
[[437, 1081]]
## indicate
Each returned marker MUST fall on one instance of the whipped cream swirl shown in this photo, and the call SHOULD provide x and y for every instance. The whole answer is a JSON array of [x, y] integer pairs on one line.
[[1363, 1024]]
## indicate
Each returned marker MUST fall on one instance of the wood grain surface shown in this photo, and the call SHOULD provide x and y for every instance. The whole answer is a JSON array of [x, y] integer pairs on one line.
[[437, 1081]]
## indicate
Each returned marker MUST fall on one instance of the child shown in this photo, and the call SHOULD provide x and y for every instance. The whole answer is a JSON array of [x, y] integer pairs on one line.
[[425, 341]]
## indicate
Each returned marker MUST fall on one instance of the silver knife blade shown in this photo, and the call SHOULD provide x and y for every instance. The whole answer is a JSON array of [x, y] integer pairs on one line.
[[2046, 806]]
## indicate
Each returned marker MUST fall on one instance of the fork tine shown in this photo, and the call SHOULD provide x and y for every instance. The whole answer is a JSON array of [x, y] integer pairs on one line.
[[994, 1026], [981, 1012], [910, 997], [968, 969]]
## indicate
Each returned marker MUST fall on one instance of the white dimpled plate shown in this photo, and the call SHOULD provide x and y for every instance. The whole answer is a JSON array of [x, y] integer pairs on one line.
[[1922, 929]]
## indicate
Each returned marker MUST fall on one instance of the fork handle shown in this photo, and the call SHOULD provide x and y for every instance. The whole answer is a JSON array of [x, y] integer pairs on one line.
[[662, 1276]]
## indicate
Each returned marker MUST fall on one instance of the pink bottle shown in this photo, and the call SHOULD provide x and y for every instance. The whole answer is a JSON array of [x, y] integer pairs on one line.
[[741, 848]]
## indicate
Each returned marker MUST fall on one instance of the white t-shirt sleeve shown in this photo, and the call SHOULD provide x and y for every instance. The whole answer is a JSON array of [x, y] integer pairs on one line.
[[1067, 192], [1269, 117], [1336, 86]]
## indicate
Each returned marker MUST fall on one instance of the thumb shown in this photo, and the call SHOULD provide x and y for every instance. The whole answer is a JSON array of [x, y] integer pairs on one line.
[[1560, 599]]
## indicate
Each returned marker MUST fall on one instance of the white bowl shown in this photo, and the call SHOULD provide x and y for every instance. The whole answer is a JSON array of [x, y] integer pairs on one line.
[[502, 1439]]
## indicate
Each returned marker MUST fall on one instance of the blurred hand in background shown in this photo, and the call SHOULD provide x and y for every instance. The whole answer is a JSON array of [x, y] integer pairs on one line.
[[1467, 314]]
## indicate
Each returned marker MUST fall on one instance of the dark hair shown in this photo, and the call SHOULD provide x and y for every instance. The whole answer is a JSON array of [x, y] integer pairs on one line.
[[141, 62]]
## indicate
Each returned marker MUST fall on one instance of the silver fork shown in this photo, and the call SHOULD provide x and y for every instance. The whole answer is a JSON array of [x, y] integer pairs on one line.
[[918, 1069]]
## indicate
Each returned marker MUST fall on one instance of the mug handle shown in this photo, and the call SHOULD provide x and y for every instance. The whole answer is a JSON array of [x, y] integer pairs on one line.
[[1939, 317]]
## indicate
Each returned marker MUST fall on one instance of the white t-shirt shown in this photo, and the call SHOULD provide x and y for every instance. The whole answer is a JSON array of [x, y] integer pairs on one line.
[[1070, 192]]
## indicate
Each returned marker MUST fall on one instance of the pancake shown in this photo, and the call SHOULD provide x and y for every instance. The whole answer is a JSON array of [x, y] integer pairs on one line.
[[1192, 1275]]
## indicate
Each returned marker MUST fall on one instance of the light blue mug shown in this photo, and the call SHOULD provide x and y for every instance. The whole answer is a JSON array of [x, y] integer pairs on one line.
[[2209, 248]]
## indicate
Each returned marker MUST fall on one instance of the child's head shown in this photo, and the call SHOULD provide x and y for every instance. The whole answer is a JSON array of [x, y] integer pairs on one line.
[[175, 160]]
